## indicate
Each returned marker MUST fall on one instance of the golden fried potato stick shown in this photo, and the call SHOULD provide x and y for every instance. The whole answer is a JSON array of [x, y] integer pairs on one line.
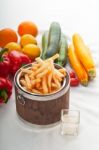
[[56, 81], [59, 78], [49, 79], [41, 69], [53, 85], [58, 73], [36, 65], [34, 68], [44, 85], [39, 60], [38, 86], [53, 57], [35, 81], [40, 75], [26, 71], [36, 91], [63, 71], [23, 82], [28, 82], [31, 76]]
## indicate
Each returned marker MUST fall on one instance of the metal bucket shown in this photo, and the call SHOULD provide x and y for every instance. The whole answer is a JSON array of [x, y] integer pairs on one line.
[[41, 109]]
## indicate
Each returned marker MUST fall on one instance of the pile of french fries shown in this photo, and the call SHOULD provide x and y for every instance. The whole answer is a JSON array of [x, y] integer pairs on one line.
[[42, 77]]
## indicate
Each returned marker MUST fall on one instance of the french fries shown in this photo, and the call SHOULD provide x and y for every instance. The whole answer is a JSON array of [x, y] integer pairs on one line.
[[42, 77], [50, 81], [27, 71], [23, 82], [44, 85], [56, 81], [28, 82]]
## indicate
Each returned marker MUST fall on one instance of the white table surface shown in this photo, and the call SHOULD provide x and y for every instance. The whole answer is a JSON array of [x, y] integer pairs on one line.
[[74, 16]]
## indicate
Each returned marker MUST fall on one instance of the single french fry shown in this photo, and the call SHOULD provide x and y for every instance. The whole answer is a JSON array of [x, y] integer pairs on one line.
[[35, 81], [26, 71], [39, 60], [56, 81], [49, 78], [44, 85], [59, 78], [54, 85], [36, 91], [38, 85], [31, 76], [36, 65], [53, 57], [28, 82], [59, 73], [62, 71], [52, 65], [34, 68], [23, 82], [40, 75], [41, 69]]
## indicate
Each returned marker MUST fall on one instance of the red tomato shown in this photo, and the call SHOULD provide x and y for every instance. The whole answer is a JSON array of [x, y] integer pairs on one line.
[[74, 81], [72, 74]]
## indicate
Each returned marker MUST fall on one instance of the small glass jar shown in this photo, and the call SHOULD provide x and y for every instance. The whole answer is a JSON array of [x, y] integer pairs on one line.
[[70, 120]]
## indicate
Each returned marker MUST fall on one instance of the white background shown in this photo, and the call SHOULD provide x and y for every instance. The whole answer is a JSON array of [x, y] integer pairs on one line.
[[80, 16], [73, 15]]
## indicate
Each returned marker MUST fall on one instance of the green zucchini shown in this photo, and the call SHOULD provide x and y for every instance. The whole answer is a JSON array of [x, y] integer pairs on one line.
[[53, 39], [44, 44], [62, 60]]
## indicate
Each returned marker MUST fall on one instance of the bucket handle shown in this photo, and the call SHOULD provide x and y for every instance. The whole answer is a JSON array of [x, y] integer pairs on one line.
[[21, 99]]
